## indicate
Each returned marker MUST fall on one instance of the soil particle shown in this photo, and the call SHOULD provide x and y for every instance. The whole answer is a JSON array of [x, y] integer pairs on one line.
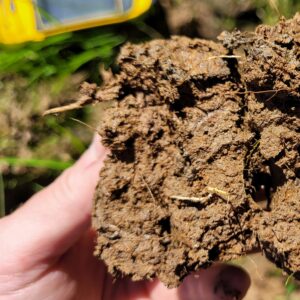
[[195, 132]]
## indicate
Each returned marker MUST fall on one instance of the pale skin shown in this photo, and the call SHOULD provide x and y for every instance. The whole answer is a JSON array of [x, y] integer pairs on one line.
[[46, 250]]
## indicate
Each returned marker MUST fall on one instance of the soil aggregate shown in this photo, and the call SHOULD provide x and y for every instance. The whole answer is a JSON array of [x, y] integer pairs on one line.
[[204, 160]]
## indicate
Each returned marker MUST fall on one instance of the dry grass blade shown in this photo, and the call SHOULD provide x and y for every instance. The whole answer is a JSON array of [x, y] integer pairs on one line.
[[187, 198], [225, 56], [148, 188], [76, 105], [274, 5], [86, 125]]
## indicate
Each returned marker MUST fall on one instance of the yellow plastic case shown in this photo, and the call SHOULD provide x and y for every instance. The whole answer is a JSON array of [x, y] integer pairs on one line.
[[19, 21]]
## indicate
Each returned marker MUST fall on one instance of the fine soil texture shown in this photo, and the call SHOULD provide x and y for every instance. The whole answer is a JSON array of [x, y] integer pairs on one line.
[[204, 160]]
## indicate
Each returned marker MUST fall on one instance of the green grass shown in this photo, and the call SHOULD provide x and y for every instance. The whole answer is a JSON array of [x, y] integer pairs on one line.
[[61, 55], [36, 163], [48, 65]]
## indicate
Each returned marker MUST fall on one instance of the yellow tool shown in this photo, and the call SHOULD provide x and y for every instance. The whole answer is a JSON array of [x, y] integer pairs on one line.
[[34, 20]]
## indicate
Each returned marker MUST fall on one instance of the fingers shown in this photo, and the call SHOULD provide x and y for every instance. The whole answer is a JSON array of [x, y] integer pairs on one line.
[[219, 282], [53, 219]]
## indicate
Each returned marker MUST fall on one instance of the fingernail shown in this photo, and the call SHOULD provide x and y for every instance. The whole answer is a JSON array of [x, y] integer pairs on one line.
[[232, 283]]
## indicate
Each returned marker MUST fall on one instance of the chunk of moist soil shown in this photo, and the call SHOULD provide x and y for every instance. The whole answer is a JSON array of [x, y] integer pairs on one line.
[[199, 133]]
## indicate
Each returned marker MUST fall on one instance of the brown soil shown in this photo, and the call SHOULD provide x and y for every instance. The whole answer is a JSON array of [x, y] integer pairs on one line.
[[199, 134]]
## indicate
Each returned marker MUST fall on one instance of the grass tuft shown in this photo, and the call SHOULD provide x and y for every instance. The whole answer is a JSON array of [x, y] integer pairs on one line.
[[60, 56]]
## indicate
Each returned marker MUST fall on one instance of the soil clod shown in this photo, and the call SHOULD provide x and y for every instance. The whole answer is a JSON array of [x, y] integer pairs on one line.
[[199, 134]]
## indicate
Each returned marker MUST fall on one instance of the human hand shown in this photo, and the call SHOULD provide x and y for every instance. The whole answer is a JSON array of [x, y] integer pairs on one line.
[[46, 250]]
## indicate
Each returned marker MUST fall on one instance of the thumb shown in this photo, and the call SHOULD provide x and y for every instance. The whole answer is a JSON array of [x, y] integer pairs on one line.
[[53, 219]]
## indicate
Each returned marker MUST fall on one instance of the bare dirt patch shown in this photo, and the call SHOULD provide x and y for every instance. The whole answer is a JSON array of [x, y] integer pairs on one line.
[[205, 154]]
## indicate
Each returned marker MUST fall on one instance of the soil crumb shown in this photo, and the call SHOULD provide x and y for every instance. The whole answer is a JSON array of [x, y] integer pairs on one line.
[[204, 160]]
